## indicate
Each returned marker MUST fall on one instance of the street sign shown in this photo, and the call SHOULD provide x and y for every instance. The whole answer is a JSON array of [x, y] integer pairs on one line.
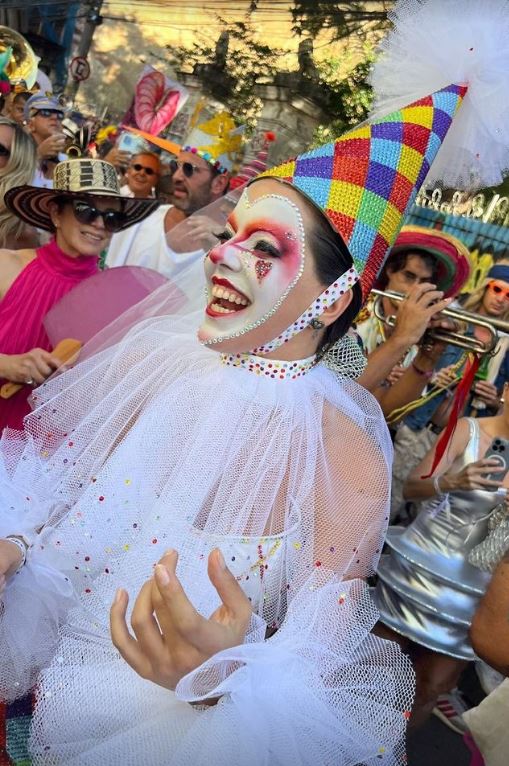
[[79, 69]]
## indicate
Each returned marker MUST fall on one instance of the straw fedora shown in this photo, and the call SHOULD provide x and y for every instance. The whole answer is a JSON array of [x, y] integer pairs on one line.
[[79, 177]]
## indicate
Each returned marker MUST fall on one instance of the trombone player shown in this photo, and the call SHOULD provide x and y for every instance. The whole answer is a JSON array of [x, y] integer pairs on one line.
[[419, 429], [430, 267]]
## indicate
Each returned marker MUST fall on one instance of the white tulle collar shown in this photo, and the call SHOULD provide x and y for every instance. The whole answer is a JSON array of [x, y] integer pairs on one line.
[[270, 368]]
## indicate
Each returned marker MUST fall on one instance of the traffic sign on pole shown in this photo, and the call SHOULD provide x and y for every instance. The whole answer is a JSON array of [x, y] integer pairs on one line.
[[79, 69]]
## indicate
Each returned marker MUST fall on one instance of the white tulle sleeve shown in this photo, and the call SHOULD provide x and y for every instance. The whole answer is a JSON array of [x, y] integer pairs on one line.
[[322, 690], [39, 596]]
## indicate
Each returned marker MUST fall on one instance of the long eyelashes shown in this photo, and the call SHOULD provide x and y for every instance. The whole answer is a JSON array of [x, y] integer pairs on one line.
[[266, 247], [261, 245], [224, 236]]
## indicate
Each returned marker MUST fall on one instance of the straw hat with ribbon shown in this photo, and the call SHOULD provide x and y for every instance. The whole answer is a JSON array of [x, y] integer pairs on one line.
[[76, 178]]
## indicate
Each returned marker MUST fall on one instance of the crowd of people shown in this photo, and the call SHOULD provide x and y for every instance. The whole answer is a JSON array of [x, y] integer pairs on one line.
[[279, 525]]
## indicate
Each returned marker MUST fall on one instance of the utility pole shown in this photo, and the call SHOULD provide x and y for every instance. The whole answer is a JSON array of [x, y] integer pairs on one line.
[[93, 20]]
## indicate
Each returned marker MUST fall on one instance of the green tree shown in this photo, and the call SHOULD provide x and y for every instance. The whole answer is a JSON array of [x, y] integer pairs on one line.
[[248, 62], [344, 19], [351, 96]]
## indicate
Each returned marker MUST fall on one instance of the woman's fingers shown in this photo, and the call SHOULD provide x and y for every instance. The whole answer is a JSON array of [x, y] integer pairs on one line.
[[229, 590], [171, 603], [122, 639], [144, 624]]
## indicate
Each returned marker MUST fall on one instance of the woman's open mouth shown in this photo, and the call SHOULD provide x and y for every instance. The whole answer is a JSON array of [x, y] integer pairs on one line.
[[226, 299]]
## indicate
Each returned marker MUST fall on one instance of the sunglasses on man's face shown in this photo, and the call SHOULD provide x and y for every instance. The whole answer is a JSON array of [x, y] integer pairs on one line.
[[4, 151], [498, 290], [49, 113], [86, 213], [187, 168], [139, 168]]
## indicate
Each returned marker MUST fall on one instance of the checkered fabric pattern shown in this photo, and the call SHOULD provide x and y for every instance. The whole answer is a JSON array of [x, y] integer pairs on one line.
[[365, 181]]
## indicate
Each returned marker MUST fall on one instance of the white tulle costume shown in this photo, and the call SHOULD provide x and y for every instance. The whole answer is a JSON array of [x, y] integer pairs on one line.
[[167, 446]]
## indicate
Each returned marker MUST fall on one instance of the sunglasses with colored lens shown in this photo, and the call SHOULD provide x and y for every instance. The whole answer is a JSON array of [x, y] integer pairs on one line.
[[49, 113], [187, 168], [86, 213], [4, 151], [498, 290], [139, 168]]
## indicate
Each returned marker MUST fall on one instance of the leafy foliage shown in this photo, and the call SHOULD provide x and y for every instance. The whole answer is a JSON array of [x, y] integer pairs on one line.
[[345, 19], [352, 97], [249, 61]]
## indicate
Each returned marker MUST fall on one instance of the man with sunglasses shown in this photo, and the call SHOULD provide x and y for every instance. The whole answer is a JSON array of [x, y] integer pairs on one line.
[[141, 176], [44, 115], [197, 182]]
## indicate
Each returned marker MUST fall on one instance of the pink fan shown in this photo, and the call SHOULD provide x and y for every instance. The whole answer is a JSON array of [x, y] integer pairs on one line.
[[98, 301], [155, 104], [92, 306]]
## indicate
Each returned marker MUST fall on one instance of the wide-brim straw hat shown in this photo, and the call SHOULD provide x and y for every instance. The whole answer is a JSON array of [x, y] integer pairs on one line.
[[452, 255], [79, 177]]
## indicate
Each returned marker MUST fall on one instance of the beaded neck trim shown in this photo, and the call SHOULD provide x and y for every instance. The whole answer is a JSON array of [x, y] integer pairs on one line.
[[270, 368]]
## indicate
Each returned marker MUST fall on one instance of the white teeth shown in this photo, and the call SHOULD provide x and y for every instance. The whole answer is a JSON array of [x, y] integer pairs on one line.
[[93, 237], [221, 310], [233, 297]]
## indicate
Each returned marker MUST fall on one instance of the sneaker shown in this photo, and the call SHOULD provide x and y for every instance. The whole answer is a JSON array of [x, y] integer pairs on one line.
[[450, 708]]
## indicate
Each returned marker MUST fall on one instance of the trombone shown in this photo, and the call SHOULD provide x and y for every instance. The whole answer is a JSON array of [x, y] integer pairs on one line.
[[452, 337]]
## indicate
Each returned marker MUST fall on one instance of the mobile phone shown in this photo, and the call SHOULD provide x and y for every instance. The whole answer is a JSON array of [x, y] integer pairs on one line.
[[499, 451], [130, 142]]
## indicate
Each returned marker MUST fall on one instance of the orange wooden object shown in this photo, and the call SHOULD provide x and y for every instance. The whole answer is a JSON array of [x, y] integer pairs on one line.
[[66, 351]]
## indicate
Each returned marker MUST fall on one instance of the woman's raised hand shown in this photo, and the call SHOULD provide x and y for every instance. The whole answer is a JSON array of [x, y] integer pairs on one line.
[[472, 476], [10, 559], [170, 637]]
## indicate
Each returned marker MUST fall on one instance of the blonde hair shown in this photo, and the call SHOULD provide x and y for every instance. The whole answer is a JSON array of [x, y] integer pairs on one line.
[[474, 301], [19, 170]]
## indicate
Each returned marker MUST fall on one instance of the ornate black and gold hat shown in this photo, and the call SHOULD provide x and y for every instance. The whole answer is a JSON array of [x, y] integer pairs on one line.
[[81, 177]]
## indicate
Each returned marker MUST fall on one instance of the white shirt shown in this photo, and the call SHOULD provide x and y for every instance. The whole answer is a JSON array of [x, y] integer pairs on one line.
[[144, 244], [40, 179], [126, 191]]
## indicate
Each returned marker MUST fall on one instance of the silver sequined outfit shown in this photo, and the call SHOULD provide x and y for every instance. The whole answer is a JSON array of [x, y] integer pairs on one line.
[[427, 590]]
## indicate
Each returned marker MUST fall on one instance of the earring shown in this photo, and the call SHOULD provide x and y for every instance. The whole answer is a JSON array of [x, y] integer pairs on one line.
[[317, 325]]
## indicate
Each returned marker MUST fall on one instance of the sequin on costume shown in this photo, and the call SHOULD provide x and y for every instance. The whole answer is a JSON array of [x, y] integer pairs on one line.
[[270, 368]]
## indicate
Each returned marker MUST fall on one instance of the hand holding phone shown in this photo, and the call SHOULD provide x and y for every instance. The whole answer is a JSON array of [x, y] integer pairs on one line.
[[499, 451]]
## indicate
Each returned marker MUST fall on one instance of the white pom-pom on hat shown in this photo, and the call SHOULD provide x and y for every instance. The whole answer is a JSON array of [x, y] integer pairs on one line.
[[436, 43]]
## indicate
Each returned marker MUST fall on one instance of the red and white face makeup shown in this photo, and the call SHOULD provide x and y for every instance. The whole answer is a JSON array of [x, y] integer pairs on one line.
[[251, 272]]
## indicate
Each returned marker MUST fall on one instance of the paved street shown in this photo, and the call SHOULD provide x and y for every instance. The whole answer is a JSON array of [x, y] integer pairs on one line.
[[436, 745]]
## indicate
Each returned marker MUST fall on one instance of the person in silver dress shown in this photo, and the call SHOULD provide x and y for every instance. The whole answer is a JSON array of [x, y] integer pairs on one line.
[[427, 591]]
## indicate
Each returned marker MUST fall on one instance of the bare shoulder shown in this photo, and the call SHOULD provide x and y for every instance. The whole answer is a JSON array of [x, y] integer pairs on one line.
[[12, 263]]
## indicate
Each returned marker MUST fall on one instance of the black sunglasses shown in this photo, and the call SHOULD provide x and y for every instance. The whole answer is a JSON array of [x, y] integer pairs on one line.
[[49, 113], [4, 151], [86, 213], [139, 168], [187, 167]]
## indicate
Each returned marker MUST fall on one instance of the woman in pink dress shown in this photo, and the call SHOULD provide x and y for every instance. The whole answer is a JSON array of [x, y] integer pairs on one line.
[[82, 211]]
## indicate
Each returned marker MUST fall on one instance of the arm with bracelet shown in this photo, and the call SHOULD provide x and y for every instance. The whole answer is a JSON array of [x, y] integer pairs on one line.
[[473, 476], [35, 594]]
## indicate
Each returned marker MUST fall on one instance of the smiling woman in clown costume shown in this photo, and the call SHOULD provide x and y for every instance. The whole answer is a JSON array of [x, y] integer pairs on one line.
[[232, 447]]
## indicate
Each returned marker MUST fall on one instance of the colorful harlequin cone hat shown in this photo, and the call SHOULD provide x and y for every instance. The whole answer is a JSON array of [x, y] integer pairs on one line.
[[365, 181], [255, 166]]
